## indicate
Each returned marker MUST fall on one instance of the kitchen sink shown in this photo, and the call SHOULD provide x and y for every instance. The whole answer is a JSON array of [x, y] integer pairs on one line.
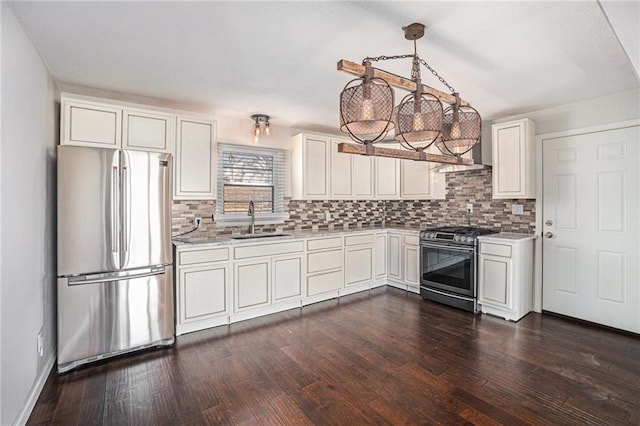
[[251, 236]]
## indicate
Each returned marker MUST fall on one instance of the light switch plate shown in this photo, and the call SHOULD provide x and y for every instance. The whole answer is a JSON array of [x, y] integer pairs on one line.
[[469, 208], [517, 208]]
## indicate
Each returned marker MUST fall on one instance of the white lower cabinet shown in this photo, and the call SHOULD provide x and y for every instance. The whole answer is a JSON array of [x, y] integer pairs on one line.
[[381, 258], [252, 284], [505, 270], [218, 285], [358, 262], [412, 267], [287, 278], [203, 284], [394, 264], [325, 272]]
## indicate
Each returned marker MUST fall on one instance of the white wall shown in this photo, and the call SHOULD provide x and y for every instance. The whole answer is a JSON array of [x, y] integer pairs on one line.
[[622, 106], [27, 220]]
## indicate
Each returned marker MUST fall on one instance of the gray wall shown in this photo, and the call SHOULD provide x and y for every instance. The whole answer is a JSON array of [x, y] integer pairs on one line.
[[27, 218]]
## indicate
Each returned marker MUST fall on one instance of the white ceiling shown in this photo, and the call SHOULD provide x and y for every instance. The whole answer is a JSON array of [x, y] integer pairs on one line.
[[280, 58]]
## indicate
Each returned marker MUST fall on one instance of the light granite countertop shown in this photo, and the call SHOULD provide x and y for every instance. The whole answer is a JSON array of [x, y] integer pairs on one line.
[[205, 239], [507, 236]]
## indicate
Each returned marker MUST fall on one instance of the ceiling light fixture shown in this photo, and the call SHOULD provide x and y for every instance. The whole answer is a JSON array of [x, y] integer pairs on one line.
[[261, 126], [367, 111]]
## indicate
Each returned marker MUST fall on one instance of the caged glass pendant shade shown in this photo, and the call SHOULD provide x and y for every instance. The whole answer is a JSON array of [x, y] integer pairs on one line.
[[366, 109], [462, 127], [418, 120]]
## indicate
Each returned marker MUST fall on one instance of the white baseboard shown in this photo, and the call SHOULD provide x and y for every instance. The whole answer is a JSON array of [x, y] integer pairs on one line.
[[24, 414]]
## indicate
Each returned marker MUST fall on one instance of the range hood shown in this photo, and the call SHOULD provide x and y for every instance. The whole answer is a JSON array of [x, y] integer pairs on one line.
[[476, 154]]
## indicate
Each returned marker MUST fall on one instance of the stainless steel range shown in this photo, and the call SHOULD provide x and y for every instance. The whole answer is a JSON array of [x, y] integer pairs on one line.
[[448, 265]]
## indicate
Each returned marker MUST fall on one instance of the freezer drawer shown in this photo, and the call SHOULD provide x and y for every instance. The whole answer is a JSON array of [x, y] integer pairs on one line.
[[104, 315]]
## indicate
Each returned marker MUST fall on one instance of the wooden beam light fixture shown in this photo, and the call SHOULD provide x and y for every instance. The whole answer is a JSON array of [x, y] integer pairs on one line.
[[367, 111]]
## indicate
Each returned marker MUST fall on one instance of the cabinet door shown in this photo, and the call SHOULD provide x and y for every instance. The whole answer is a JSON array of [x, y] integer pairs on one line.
[[415, 180], [195, 160], [387, 182], [395, 257], [513, 156], [203, 292], [341, 173], [252, 284], [287, 278], [381, 256], [358, 264], [316, 168], [91, 124], [362, 176], [147, 131], [412, 265], [494, 281]]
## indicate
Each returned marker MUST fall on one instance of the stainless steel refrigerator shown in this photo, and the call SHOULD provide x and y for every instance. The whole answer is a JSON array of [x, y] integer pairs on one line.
[[115, 274]]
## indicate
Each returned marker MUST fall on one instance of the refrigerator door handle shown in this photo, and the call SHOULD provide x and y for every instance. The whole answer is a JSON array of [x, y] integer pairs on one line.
[[115, 225], [95, 279], [125, 208]]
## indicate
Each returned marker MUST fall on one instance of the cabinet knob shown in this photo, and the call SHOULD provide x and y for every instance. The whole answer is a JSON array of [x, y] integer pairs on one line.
[[548, 234], [548, 222]]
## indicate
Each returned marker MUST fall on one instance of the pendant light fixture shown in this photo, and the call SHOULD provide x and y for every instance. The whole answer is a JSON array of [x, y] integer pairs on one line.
[[261, 127], [366, 108], [367, 111]]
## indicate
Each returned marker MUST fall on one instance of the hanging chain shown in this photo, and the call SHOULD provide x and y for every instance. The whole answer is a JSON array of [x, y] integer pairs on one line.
[[434, 72], [422, 61]]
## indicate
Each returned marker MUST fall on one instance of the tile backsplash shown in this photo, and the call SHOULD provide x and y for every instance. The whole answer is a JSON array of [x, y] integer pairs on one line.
[[471, 187]]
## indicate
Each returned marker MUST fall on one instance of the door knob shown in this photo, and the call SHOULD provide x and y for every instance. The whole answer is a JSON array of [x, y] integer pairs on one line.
[[549, 222], [548, 234]]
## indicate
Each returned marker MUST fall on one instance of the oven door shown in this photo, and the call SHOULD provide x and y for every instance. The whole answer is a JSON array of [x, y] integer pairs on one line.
[[449, 268]]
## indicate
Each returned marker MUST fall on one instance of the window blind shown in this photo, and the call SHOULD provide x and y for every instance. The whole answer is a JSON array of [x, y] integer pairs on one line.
[[250, 173]]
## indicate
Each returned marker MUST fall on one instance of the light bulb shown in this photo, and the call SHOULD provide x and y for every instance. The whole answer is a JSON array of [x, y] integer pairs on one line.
[[266, 129], [455, 132], [418, 121], [367, 110]]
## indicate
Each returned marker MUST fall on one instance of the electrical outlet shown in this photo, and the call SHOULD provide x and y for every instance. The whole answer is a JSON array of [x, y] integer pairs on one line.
[[469, 208], [40, 343], [327, 216], [517, 209], [197, 221]]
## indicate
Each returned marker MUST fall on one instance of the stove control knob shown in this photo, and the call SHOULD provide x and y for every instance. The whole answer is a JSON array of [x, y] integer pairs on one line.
[[456, 238], [470, 240]]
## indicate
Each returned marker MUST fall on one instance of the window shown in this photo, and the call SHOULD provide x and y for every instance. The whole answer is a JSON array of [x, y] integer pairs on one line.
[[250, 174]]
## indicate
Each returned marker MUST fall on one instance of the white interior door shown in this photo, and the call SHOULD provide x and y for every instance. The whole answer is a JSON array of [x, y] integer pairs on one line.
[[590, 221]]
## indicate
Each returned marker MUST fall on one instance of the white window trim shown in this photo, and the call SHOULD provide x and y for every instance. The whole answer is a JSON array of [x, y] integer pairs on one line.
[[239, 219]]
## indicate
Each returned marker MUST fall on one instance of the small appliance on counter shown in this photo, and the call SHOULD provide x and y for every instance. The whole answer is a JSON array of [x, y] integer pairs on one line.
[[115, 273], [449, 265]]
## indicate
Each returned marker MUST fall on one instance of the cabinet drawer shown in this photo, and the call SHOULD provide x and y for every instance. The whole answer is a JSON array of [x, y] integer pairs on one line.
[[203, 256], [411, 239], [268, 249], [325, 243], [354, 240], [324, 282], [324, 261], [495, 249]]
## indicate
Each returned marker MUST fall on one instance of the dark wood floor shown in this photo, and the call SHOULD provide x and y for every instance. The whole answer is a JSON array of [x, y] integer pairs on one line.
[[386, 357]]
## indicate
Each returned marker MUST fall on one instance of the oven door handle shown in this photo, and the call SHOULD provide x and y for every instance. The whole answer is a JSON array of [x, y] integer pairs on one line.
[[453, 248]]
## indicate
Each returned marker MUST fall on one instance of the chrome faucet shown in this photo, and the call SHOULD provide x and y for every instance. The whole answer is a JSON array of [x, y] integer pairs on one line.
[[252, 214]]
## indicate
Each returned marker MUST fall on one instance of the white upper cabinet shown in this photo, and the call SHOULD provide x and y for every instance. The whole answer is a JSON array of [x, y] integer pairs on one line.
[[195, 176], [147, 131], [387, 178], [93, 124], [99, 124], [320, 172], [342, 186], [351, 175], [513, 155], [419, 182], [311, 159]]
